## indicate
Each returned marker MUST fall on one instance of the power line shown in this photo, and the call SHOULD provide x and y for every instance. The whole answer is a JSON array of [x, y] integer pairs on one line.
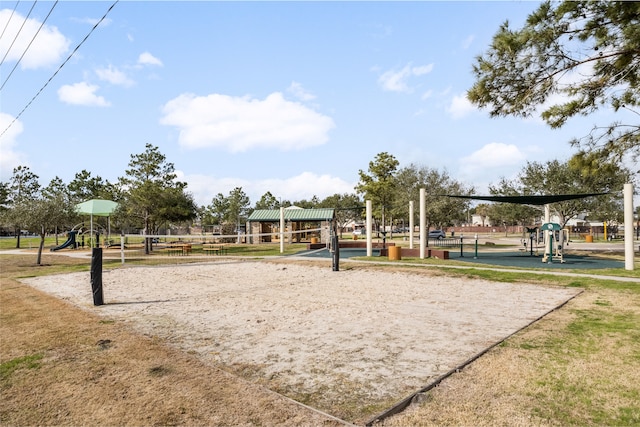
[[29, 45], [9, 20], [18, 33], [59, 68]]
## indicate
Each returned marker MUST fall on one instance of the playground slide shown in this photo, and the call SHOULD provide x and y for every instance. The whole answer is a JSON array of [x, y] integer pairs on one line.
[[71, 241]]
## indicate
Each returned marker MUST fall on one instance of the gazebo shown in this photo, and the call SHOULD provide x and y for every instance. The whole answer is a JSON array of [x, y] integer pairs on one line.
[[266, 222]]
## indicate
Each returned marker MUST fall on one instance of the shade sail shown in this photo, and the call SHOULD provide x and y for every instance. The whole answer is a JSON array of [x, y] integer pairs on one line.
[[530, 200], [97, 207]]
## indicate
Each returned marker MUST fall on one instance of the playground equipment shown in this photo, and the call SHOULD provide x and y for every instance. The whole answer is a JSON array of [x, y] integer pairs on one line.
[[334, 248], [532, 241], [97, 207], [554, 231], [76, 237], [71, 241]]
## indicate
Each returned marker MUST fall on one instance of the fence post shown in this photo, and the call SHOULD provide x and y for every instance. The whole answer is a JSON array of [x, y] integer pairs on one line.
[[122, 246]]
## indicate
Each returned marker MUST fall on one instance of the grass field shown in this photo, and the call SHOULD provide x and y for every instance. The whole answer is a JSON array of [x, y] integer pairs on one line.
[[60, 365]]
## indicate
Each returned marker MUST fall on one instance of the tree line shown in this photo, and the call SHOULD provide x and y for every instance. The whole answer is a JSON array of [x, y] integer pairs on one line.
[[150, 197]]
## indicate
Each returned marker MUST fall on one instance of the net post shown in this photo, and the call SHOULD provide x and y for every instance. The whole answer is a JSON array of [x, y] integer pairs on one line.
[[96, 276]]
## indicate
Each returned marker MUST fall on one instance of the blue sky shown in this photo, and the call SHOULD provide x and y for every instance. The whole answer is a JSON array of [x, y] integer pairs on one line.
[[288, 97]]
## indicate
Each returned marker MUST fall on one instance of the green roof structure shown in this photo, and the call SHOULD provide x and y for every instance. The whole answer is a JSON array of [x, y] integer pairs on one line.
[[292, 214]]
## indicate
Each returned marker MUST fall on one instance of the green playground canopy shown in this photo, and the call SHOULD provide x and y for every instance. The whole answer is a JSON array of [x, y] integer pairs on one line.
[[537, 200], [96, 207]]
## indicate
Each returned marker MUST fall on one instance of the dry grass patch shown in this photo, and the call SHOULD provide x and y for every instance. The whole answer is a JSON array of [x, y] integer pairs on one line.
[[578, 366]]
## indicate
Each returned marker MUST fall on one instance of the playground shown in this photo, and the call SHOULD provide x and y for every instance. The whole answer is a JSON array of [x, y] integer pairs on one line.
[[580, 256], [352, 344]]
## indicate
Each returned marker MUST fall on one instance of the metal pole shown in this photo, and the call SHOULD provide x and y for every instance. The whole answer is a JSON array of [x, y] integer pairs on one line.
[[628, 226], [476, 254], [369, 231], [546, 233], [423, 221], [335, 243], [531, 244], [281, 230], [411, 224]]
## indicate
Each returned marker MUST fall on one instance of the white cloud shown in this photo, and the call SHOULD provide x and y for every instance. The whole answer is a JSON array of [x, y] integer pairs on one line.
[[379, 31], [46, 50], [421, 70], [238, 124], [466, 43], [114, 76], [494, 155], [489, 163], [427, 95], [398, 80], [146, 58], [302, 186], [93, 21], [81, 94], [299, 92], [460, 106], [9, 156]]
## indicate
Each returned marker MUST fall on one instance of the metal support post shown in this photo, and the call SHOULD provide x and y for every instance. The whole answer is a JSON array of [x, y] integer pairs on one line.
[[476, 252]]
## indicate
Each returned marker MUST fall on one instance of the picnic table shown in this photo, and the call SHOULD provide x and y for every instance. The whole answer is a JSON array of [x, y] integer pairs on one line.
[[214, 249], [178, 248]]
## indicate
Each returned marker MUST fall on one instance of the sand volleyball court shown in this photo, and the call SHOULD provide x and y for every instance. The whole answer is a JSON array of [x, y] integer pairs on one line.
[[351, 343]]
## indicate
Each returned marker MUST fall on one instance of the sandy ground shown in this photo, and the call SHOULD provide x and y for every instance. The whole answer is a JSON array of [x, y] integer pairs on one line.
[[310, 332]]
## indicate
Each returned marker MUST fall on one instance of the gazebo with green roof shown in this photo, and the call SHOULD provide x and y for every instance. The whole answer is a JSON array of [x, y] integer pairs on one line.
[[266, 222]]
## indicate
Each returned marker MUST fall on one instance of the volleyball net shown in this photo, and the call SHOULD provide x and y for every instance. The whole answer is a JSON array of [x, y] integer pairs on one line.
[[133, 246]]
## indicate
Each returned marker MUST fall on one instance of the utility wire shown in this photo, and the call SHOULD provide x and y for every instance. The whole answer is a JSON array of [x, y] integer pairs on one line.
[[29, 45], [59, 68], [9, 20], [18, 33]]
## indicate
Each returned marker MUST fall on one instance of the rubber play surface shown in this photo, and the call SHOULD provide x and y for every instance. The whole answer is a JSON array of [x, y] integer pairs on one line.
[[506, 258]]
